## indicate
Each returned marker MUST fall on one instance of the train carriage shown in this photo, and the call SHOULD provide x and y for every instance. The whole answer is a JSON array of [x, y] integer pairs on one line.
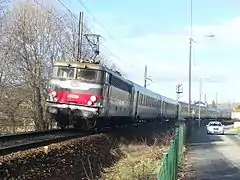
[[203, 110], [183, 109], [170, 108], [120, 95], [226, 114], [146, 105]]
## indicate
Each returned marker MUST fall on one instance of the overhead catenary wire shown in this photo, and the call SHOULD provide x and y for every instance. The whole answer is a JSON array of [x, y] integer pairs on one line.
[[107, 50], [50, 12], [100, 24], [82, 24], [59, 19], [110, 52]]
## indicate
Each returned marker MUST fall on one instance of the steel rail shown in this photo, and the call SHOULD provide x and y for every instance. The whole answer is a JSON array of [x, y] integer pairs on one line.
[[13, 144]]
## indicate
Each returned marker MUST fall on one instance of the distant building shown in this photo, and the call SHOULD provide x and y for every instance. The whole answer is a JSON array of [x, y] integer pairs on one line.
[[236, 112]]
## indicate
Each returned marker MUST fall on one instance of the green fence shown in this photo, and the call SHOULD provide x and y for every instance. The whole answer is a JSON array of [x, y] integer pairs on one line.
[[172, 158]]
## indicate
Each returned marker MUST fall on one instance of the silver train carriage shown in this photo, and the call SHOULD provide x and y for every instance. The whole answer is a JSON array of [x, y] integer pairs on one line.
[[205, 112]]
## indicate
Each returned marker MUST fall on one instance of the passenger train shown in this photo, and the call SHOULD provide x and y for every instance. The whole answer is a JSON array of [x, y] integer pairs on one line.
[[88, 95]]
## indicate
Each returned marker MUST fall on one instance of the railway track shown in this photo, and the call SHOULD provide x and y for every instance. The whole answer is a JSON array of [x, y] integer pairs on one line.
[[22, 141]]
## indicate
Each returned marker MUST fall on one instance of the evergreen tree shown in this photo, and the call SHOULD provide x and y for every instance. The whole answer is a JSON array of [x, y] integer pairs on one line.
[[213, 104]]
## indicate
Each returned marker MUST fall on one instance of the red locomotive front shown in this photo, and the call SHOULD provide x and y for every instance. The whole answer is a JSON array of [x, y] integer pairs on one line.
[[75, 96]]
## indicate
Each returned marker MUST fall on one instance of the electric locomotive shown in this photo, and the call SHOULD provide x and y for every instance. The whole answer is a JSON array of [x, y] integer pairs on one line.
[[85, 94]]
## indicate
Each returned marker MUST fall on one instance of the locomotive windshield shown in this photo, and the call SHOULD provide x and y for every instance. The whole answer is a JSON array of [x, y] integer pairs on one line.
[[87, 74], [63, 72]]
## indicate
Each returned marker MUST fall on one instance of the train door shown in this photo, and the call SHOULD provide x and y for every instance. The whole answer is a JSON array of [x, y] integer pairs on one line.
[[163, 110], [160, 109], [136, 104], [132, 102], [106, 94]]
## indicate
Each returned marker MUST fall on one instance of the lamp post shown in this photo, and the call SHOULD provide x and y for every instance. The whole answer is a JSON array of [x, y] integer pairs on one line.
[[190, 64], [190, 59], [199, 103], [200, 97]]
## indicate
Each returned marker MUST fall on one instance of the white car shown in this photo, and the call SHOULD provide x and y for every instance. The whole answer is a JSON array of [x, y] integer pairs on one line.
[[215, 127]]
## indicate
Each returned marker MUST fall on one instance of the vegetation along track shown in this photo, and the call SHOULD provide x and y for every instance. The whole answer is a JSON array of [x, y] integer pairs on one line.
[[23, 141]]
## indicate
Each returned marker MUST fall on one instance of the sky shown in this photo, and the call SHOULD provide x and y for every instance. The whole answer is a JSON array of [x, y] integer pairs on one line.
[[156, 33]]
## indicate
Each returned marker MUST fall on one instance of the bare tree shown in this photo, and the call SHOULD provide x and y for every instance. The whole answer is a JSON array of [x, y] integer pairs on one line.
[[31, 39]]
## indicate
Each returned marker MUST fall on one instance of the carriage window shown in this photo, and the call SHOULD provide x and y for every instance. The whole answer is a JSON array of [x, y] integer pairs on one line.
[[119, 83], [63, 72], [86, 74]]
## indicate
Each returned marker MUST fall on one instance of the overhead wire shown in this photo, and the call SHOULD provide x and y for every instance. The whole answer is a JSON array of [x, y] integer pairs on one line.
[[50, 12], [100, 24], [73, 15], [109, 34], [107, 50]]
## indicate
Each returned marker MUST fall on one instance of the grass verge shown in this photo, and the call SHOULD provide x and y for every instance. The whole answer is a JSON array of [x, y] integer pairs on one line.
[[235, 130], [140, 160]]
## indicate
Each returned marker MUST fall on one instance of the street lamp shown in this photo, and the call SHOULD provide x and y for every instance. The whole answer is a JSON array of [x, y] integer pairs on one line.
[[190, 64], [200, 97], [190, 58]]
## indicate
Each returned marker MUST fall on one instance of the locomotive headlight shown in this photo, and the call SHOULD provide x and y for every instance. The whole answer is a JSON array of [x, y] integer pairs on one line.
[[54, 93], [89, 103], [93, 98]]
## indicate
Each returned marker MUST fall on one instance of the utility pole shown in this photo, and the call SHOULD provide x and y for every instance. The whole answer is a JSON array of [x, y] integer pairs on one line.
[[190, 64], [80, 36], [200, 97], [199, 103], [179, 90], [146, 77], [205, 99], [216, 99]]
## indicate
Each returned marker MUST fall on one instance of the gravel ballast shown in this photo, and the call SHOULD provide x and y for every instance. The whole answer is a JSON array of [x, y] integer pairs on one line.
[[72, 159]]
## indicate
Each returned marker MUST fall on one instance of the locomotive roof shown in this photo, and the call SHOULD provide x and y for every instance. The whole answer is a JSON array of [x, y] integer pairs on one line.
[[78, 64], [89, 65]]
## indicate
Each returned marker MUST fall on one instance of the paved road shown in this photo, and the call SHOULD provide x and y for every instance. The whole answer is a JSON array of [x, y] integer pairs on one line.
[[214, 157]]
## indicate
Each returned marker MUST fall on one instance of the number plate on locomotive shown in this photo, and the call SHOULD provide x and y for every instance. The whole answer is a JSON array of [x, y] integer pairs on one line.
[[73, 96]]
